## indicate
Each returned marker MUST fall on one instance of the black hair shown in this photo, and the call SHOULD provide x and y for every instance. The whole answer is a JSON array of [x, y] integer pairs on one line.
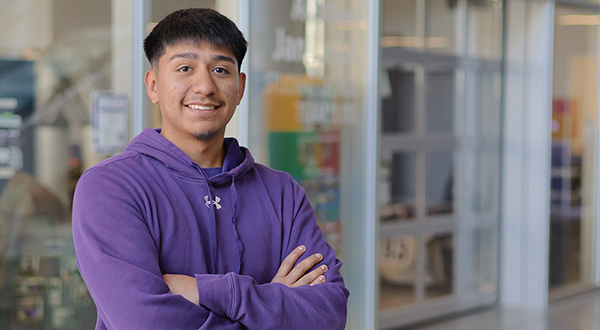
[[197, 25]]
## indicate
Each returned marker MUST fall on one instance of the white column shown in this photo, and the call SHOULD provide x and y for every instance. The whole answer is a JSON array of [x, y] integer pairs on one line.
[[526, 164], [129, 19], [359, 176], [237, 11]]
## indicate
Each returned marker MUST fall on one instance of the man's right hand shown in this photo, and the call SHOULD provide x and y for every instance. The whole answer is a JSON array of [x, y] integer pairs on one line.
[[295, 276]]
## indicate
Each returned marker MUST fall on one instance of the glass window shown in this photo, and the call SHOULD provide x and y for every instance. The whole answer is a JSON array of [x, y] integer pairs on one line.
[[401, 24], [398, 109], [160, 9], [439, 185], [398, 198], [440, 101], [484, 39], [54, 55], [439, 147], [484, 261], [442, 28], [574, 149], [439, 278], [488, 105], [305, 90], [486, 171], [398, 271]]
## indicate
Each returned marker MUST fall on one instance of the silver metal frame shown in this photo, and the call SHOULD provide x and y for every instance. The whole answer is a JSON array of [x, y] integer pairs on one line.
[[244, 107], [141, 17], [371, 121]]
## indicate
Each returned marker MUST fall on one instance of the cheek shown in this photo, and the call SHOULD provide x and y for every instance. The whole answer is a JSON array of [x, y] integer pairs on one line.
[[172, 92], [231, 91]]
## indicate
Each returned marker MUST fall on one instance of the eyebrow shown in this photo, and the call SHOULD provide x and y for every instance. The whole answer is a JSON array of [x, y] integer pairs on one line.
[[219, 58], [188, 55], [195, 56]]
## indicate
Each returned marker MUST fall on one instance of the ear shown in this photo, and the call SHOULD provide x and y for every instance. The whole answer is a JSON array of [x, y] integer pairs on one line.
[[242, 86], [150, 80]]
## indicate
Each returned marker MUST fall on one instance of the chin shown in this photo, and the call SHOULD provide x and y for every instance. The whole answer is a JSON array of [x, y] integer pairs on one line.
[[204, 136]]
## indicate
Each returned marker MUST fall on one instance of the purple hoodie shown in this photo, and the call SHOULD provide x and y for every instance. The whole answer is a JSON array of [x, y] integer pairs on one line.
[[151, 211]]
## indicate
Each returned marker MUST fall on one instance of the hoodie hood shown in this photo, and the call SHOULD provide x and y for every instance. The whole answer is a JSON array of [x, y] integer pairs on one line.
[[237, 163]]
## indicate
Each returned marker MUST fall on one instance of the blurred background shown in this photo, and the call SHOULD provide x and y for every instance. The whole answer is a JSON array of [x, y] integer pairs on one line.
[[449, 147]]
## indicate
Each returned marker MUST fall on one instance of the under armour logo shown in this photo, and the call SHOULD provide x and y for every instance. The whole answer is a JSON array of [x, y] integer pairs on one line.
[[215, 202]]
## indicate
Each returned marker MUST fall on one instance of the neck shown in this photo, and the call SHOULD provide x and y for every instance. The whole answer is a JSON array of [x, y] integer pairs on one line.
[[208, 153]]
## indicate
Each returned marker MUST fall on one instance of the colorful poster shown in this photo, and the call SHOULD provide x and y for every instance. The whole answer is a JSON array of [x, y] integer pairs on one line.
[[303, 118]]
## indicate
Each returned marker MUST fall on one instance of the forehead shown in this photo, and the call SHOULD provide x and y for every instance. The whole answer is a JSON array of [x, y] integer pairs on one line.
[[201, 48]]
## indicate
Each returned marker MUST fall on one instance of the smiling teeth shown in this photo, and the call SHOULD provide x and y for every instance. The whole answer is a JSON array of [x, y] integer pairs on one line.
[[199, 107]]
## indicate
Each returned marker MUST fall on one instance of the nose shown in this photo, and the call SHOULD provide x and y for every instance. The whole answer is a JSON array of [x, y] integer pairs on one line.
[[203, 83]]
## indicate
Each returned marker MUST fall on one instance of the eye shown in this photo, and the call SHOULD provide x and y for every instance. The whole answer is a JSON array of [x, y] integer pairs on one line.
[[184, 69], [221, 70]]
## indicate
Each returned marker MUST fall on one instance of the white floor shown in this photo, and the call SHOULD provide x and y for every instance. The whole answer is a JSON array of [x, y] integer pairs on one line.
[[581, 312]]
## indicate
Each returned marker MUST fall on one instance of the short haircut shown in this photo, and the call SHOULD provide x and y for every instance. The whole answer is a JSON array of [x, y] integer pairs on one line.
[[196, 25]]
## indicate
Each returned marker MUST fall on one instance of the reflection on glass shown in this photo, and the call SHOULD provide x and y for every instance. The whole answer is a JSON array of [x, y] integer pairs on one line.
[[574, 135], [439, 182], [399, 25], [398, 109], [484, 39], [484, 261], [397, 269], [65, 50], [303, 100], [40, 284], [565, 216], [486, 155], [439, 260], [160, 9], [440, 101], [441, 26], [488, 107], [398, 187], [485, 180]]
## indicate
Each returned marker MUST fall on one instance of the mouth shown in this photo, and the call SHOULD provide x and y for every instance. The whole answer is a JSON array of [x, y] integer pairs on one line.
[[202, 107]]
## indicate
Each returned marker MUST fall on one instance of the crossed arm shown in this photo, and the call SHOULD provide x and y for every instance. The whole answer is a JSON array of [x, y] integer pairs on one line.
[[287, 274], [133, 293]]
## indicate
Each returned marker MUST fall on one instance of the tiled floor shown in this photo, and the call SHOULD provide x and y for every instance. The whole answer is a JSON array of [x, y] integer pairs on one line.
[[581, 312]]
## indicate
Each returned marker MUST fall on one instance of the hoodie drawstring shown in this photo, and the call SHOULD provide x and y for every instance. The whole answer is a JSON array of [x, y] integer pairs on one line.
[[213, 225], [234, 223]]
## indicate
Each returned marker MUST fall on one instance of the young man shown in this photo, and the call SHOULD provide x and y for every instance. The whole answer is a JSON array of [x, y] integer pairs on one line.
[[183, 230]]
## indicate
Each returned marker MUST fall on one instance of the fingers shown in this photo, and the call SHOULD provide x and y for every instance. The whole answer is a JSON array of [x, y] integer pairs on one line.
[[301, 268], [289, 261], [294, 276], [313, 278], [318, 280]]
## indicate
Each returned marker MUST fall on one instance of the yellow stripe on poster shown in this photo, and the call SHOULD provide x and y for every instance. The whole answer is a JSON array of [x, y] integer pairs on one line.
[[282, 99]]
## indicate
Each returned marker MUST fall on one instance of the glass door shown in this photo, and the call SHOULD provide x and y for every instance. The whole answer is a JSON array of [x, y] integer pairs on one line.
[[68, 87], [574, 150], [438, 183], [54, 55]]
